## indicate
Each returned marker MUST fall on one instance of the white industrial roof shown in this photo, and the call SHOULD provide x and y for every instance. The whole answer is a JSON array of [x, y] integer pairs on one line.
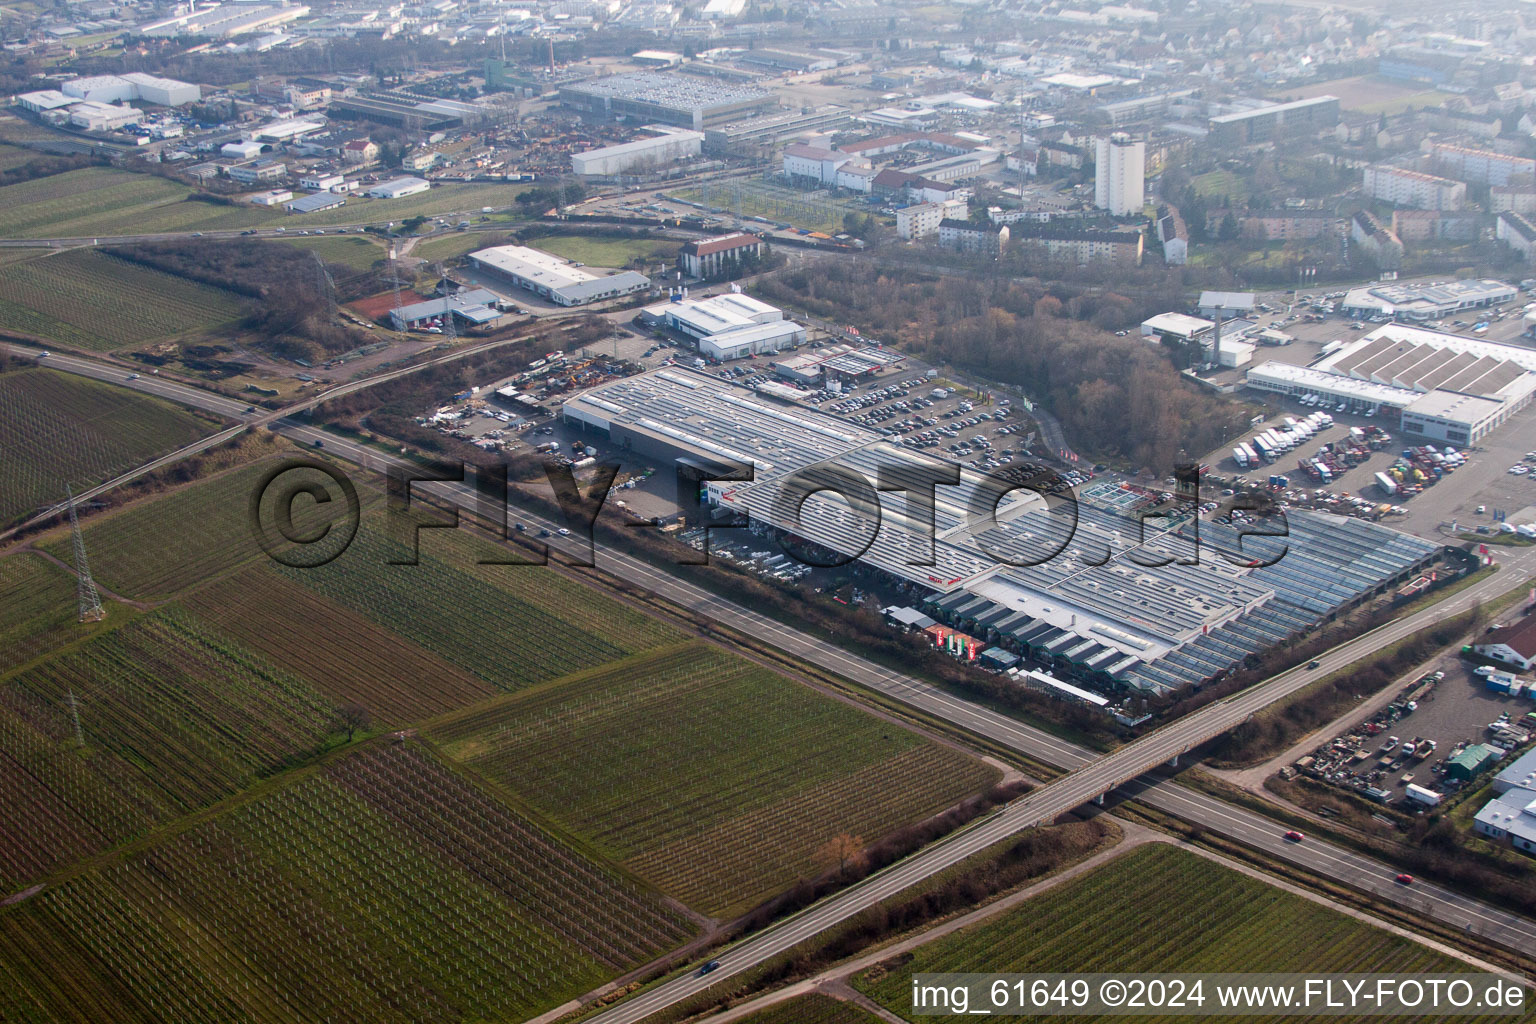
[[1452, 405], [1177, 323], [47, 99], [1226, 300], [643, 145], [533, 265], [1512, 813], [1332, 384]]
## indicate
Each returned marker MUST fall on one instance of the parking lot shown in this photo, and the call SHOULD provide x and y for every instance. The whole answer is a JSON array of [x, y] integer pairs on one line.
[[1446, 715], [1488, 480]]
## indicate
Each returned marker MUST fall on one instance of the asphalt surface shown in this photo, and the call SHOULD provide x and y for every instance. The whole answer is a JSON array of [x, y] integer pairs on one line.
[[1090, 773]]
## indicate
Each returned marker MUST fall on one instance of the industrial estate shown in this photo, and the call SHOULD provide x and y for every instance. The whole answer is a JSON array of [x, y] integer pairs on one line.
[[638, 512]]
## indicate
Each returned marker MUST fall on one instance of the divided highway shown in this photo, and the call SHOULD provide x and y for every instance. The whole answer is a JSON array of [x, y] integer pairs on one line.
[[1090, 774]]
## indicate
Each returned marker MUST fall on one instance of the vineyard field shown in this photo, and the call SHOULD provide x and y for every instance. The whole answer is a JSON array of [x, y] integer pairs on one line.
[[160, 546], [510, 625], [190, 715], [384, 887], [1162, 909], [59, 429], [39, 601], [348, 658], [12, 157], [773, 770], [102, 201], [87, 298], [812, 1009], [58, 802]]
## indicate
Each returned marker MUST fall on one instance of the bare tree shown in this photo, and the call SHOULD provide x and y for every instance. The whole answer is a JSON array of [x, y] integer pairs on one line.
[[353, 717], [843, 850]]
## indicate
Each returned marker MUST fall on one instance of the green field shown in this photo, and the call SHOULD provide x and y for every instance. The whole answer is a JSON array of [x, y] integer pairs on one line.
[[779, 203], [607, 252], [509, 626], [1159, 908], [88, 298], [58, 430], [772, 772], [439, 200], [812, 1009], [17, 156], [1221, 184], [353, 251], [351, 659], [450, 247], [384, 888]]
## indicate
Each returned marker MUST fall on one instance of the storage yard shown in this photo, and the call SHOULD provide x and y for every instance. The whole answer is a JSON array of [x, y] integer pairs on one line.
[[1419, 736]]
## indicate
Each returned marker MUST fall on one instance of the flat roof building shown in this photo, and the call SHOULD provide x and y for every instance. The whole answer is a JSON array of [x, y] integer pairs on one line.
[[553, 278], [1425, 301], [731, 326], [1445, 387], [317, 202], [1274, 121], [668, 97], [398, 188]]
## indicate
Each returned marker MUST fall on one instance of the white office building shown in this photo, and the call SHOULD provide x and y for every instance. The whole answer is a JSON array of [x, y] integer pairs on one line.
[[1119, 176]]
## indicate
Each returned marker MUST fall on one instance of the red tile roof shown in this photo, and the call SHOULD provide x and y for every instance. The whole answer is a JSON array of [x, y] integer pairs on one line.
[[722, 243], [1521, 637]]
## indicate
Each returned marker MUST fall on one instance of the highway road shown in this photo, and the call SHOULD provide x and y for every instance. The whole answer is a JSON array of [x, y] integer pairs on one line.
[[1090, 773]]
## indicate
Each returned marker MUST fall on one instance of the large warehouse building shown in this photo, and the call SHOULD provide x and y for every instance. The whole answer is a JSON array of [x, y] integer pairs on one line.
[[669, 146], [553, 278], [668, 97], [1094, 594], [1444, 386]]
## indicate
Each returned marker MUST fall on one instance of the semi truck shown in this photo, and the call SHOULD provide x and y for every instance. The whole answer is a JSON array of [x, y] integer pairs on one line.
[[1387, 484]]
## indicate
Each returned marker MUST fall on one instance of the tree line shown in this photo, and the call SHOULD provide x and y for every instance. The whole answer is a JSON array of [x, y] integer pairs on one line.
[[291, 289], [1117, 397]]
